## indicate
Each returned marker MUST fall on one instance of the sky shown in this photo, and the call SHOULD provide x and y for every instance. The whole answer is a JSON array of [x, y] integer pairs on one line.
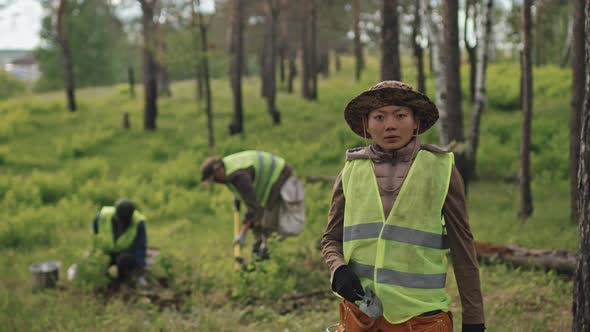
[[20, 24]]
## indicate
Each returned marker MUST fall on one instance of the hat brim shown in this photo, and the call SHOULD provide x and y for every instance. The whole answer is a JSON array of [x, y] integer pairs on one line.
[[358, 108]]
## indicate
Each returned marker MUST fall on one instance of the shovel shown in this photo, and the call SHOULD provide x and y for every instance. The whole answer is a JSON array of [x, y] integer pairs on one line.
[[237, 248]]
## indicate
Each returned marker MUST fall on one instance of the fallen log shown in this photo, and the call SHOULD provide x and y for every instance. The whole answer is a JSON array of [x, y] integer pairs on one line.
[[561, 261]]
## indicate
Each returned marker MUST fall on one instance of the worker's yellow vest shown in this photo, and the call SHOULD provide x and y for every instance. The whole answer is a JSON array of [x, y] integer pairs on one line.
[[402, 258], [267, 168], [104, 239]]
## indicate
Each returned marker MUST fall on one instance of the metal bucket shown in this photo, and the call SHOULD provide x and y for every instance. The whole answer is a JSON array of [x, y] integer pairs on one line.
[[45, 274]]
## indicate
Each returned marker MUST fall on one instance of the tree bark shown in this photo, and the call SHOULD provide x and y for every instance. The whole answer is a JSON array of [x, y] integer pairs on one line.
[[478, 105], [149, 65], [471, 50], [577, 101], [437, 63], [305, 56], [309, 49], [292, 69], [283, 43], [313, 39], [131, 80], [526, 202], [68, 61], [450, 9], [390, 58], [205, 77], [271, 10], [581, 294], [418, 50], [358, 50], [562, 261], [164, 86], [236, 52], [569, 40]]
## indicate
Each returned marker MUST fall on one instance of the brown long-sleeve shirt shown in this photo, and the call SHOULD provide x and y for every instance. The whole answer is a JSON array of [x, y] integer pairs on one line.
[[391, 169], [243, 181]]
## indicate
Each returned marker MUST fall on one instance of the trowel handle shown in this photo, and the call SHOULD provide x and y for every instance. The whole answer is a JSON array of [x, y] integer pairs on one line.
[[236, 204]]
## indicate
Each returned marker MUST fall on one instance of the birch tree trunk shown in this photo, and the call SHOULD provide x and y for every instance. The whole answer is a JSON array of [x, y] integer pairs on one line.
[[418, 50], [358, 50], [581, 296], [471, 49], [236, 52], [68, 62], [478, 105], [526, 201], [271, 10], [204, 70], [150, 85], [390, 58], [577, 101], [432, 21]]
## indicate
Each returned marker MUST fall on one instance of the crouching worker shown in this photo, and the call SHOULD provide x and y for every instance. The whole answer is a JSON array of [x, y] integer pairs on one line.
[[398, 209], [273, 195], [118, 247]]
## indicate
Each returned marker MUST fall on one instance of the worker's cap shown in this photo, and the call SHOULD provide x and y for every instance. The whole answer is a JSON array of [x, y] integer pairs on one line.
[[208, 168], [124, 209]]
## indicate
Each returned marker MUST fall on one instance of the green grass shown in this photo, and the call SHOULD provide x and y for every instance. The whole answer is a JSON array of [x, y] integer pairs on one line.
[[57, 168]]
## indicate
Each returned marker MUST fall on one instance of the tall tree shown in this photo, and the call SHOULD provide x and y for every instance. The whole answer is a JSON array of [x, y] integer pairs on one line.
[[283, 41], [471, 16], [358, 47], [204, 70], [417, 47], [161, 63], [438, 64], [308, 49], [390, 59], [269, 86], [581, 294], [150, 85], [526, 201], [578, 85], [68, 61], [450, 10], [478, 105], [236, 51]]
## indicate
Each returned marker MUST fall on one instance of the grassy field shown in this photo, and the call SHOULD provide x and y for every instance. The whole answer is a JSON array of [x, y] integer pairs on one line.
[[58, 168]]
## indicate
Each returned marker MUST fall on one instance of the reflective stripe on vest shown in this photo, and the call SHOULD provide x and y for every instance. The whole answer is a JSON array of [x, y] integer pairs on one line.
[[402, 257], [104, 240], [267, 169]]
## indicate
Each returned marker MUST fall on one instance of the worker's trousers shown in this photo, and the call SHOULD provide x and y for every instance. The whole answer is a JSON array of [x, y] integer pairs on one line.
[[354, 320]]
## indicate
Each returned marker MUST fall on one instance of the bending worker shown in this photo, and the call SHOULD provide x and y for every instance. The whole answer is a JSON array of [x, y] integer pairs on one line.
[[398, 208], [120, 235], [264, 182]]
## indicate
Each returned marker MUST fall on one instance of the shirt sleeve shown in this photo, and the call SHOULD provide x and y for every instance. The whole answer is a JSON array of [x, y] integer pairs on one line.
[[331, 242], [462, 250], [139, 246], [95, 224], [243, 182]]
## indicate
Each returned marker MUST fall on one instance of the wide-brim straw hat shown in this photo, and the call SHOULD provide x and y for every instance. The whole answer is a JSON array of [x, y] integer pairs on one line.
[[389, 93]]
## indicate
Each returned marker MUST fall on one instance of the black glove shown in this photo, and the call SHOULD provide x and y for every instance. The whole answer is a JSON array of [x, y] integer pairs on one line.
[[473, 328], [347, 284]]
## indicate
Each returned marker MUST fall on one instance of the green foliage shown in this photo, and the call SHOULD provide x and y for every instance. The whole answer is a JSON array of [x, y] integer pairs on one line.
[[10, 86], [91, 272], [100, 56]]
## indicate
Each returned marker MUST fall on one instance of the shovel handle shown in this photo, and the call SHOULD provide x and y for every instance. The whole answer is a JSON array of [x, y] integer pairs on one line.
[[237, 247]]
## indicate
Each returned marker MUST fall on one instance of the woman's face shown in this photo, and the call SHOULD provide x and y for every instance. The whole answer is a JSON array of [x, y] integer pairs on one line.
[[391, 127]]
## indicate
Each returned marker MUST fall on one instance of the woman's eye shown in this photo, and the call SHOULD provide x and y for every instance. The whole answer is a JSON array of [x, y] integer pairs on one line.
[[378, 117]]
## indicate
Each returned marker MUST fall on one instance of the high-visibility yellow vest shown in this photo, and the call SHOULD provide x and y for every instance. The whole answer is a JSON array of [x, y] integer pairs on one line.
[[267, 169], [104, 239], [403, 257]]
